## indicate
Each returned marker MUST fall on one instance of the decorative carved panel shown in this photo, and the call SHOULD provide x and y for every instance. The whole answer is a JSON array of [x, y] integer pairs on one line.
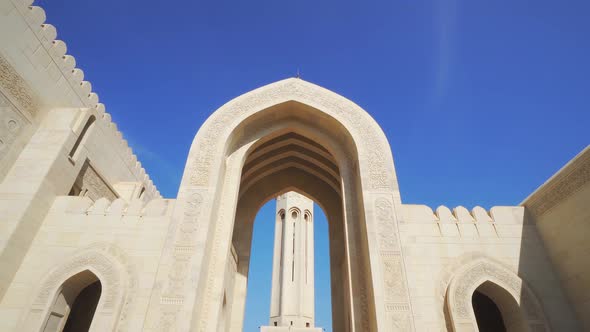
[[11, 124], [185, 238], [16, 88], [366, 131], [90, 184], [564, 184]]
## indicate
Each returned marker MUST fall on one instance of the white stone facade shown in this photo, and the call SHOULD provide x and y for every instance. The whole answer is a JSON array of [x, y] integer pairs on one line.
[[77, 207]]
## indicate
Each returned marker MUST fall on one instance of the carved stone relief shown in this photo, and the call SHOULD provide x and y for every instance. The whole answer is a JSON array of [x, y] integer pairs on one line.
[[397, 307], [381, 177], [560, 187], [386, 225], [11, 125], [16, 88], [184, 243], [90, 184]]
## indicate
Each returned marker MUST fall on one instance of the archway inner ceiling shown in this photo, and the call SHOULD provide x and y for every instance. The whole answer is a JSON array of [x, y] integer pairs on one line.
[[287, 151]]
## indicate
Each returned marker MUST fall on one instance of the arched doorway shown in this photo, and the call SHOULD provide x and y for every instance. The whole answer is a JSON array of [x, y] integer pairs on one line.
[[294, 136], [486, 296], [75, 304]]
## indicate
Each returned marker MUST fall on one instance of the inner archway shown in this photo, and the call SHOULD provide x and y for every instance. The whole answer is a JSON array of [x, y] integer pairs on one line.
[[289, 161]]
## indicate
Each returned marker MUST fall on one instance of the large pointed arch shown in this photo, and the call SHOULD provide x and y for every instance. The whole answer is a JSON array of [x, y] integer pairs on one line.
[[268, 138], [374, 152]]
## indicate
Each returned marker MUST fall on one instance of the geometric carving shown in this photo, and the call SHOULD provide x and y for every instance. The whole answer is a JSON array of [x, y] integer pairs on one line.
[[184, 241], [386, 225], [561, 186], [219, 125], [90, 184], [11, 124], [15, 87], [396, 295], [395, 289]]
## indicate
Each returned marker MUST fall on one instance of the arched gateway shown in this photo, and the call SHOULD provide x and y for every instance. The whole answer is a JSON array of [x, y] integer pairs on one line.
[[287, 136]]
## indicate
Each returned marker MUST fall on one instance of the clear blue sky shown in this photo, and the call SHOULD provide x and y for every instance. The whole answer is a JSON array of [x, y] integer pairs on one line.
[[481, 100]]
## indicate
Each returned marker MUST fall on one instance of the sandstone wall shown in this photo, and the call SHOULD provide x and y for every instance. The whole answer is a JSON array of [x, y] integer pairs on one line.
[[437, 244], [137, 230], [561, 210]]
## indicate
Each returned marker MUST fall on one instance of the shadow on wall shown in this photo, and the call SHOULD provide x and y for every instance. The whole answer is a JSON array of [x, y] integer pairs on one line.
[[555, 247]]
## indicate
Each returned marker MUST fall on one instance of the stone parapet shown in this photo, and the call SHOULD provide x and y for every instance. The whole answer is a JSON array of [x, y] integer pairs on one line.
[[119, 207]]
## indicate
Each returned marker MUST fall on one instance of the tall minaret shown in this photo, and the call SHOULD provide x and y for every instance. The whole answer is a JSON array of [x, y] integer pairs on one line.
[[292, 297]]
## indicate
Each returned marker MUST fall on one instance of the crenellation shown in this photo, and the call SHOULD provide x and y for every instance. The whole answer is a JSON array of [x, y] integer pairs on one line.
[[100, 109], [36, 16], [100, 206], [481, 215], [119, 207], [50, 33], [68, 63], [484, 222], [444, 215], [460, 222], [58, 50], [77, 76], [93, 98], [462, 215]]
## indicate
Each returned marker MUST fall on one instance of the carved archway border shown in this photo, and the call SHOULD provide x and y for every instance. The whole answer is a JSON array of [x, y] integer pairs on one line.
[[118, 280], [475, 271], [374, 149]]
